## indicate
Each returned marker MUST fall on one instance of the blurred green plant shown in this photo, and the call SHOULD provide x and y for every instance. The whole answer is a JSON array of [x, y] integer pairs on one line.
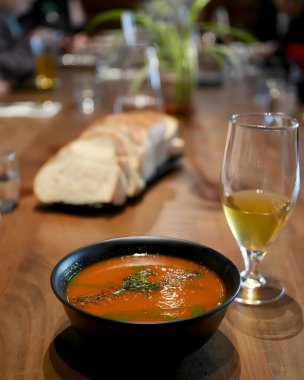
[[174, 39]]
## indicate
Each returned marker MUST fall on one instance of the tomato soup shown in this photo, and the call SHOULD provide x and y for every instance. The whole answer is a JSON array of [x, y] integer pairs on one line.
[[146, 288]]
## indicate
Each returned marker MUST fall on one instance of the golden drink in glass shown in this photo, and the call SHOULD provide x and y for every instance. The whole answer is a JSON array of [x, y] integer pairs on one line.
[[45, 71], [259, 187], [44, 48]]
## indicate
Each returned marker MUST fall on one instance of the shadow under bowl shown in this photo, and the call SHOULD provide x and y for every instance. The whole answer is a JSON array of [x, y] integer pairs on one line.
[[171, 338]]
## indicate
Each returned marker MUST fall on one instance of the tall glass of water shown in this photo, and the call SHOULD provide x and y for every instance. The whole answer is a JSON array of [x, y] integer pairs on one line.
[[259, 187]]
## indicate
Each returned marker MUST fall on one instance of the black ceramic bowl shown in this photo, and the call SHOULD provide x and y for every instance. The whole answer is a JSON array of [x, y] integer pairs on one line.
[[178, 337]]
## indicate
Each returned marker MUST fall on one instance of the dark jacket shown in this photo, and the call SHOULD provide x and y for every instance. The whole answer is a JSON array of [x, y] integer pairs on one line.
[[16, 58]]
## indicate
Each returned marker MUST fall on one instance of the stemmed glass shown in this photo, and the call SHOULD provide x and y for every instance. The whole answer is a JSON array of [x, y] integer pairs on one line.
[[259, 186]]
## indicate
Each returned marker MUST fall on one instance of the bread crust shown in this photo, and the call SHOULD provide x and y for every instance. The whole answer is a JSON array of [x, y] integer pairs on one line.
[[110, 161]]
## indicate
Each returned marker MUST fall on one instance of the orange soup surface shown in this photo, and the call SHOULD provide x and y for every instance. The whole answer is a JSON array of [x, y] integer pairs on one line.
[[146, 288]]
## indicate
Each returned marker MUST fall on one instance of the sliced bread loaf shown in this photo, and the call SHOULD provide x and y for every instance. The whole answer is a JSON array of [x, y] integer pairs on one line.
[[110, 161]]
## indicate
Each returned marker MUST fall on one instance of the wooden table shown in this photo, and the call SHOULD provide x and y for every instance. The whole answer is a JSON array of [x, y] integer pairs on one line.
[[252, 342]]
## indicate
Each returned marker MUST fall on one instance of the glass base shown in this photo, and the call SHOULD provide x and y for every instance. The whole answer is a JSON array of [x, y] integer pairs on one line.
[[260, 292]]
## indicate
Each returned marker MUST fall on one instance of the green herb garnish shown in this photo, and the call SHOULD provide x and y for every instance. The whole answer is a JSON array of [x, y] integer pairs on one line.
[[139, 282], [196, 310], [72, 280]]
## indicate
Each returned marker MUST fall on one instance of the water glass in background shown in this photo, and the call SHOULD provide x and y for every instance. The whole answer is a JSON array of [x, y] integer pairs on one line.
[[140, 86], [9, 180], [276, 92], [129, 69], [87, 92]]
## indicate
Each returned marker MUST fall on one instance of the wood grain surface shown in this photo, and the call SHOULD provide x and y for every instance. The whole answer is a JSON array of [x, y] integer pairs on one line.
[[36, 340]]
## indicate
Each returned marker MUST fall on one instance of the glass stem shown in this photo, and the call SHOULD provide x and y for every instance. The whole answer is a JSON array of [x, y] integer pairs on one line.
[[252, 276]]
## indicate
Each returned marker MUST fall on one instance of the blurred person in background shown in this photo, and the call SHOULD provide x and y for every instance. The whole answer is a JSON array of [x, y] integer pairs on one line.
[[16, 60], [65, 16], [292, 43], [280, 28], [18, 30]]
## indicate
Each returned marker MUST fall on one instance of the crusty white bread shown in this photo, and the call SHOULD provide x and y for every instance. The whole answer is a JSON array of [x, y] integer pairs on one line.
[[83, 172], [126, 153], [110, 161]]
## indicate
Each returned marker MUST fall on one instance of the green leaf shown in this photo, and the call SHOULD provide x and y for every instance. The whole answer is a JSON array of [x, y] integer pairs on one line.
[[138, 81], [138, 281], [196, 310], [221, 53], [196, 9], [236, 33], [103, 17], [72, 280]]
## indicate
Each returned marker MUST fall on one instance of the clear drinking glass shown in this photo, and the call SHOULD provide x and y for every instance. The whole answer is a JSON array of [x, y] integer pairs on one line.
[[259, 185], [9, 180], [129, 68], [87, 92], [44, 47], [140, 86]]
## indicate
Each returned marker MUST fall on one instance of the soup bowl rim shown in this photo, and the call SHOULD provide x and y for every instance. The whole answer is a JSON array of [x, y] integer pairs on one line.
[[57, 271]]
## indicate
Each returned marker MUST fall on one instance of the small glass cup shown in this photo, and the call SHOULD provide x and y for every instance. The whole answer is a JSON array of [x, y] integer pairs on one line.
[[9, 180], [87, 93], [44, 48]]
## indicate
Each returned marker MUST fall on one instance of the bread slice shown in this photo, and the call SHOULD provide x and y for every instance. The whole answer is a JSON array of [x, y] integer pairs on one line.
[[112, 160], [150, 137], [126, 154], [83, 172]]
